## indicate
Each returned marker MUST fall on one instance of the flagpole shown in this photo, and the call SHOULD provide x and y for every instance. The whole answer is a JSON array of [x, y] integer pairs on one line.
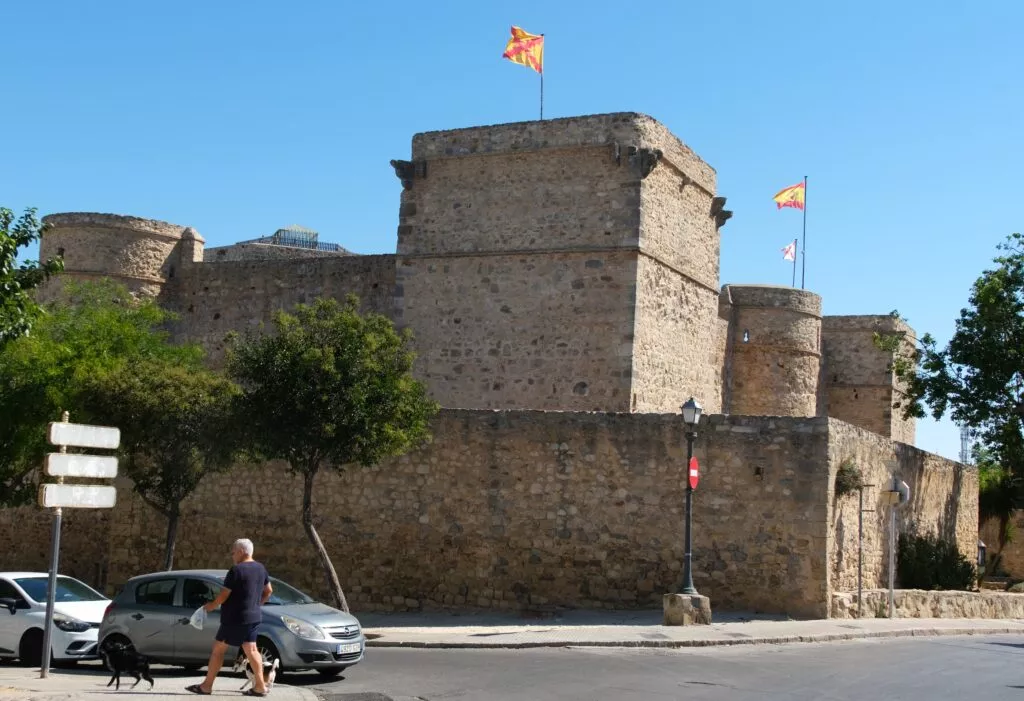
[[794, 262], [803, 258], [542, 93]]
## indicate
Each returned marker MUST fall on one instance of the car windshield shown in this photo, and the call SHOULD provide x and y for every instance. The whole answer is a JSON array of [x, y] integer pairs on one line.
[[285, 594], [67, 589]]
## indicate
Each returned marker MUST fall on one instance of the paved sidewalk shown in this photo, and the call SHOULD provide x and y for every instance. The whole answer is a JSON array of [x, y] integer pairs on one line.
[[90, 681], [644, 629]]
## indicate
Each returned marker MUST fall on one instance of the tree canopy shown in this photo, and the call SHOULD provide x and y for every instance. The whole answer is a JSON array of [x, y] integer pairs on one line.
[[96, 330], [18, 308], [978, 377], [329, 388]]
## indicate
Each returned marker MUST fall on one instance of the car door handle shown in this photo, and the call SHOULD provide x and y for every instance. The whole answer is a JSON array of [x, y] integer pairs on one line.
[[137, 616]]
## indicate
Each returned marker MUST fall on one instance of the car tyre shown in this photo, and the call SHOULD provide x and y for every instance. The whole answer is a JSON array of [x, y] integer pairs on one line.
[[268, 651], [30, 649], [115, 638], [329, 672]]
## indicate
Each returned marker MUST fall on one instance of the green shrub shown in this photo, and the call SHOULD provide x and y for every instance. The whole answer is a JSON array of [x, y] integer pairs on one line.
[[848, 478], [925, 562]]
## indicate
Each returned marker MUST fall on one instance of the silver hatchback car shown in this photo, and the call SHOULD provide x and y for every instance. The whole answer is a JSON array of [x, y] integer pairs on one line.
[[151, 613]]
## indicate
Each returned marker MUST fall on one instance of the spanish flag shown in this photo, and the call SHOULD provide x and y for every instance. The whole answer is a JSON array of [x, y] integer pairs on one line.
[[792, 196], [526, 49]]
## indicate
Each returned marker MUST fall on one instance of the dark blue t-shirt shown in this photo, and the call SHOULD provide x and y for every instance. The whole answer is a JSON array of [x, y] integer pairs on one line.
[[246, 581]]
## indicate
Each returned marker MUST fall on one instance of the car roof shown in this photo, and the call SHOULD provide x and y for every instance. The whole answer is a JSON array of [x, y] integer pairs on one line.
[[181, 573], [19, 575]]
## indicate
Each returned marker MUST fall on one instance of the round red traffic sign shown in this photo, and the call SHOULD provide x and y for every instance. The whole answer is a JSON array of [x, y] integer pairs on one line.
[[694, 473]]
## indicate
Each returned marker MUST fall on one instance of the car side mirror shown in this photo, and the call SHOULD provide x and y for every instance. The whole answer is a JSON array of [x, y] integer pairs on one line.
[[10, 604]]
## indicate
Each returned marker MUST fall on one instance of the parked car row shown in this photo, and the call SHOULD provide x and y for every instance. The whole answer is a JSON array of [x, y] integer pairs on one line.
[[151, 614]]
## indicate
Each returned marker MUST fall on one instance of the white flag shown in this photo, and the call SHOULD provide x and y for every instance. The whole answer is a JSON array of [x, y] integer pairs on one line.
[[789, 252]]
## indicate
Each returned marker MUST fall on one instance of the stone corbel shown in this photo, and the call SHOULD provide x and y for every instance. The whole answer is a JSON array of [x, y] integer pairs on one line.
[[407, 170], [719, 213], [647, 159]]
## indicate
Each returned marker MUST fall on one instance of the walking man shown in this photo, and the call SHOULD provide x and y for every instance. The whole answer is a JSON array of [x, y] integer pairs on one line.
[[246, 589]]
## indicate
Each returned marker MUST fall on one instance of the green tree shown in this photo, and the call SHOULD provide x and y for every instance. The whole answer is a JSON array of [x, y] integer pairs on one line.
[[978, 377], [18, 309], [176, 424], [96, 329], [330, 388]]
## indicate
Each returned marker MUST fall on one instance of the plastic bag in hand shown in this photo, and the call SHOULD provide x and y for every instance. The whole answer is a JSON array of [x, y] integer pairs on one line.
[[198, 618]]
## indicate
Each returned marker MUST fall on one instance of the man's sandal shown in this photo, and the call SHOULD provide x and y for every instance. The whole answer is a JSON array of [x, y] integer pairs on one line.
[[197, 689], [253, 692]]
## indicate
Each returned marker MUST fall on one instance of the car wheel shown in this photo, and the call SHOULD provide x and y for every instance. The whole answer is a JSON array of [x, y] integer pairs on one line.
[[115, 638], [30, 650], [268, 651], [330, 672]]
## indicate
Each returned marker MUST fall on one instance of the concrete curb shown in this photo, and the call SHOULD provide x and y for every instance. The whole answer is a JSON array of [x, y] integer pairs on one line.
[[715, 642]]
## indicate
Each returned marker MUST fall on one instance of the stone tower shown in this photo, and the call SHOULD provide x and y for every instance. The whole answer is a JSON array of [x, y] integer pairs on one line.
[[566, 264], [775, 351], [143, 254]]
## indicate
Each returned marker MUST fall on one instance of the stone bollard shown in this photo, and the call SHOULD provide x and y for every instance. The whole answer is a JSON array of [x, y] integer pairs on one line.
[[686, 610]]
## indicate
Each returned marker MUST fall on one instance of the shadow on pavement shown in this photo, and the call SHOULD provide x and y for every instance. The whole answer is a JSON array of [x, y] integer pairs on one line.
[[448, 619]]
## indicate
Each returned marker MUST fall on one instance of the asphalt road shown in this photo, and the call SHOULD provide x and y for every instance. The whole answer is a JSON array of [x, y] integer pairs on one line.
[[939, 669]]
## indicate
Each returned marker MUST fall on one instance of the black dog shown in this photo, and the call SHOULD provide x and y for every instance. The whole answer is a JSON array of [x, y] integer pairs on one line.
[[120, 658]]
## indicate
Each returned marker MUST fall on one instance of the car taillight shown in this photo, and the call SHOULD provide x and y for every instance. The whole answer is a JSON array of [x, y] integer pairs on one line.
[[108, 610]]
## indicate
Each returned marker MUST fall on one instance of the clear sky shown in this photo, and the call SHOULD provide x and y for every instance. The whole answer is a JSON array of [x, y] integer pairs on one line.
[[238, 118]]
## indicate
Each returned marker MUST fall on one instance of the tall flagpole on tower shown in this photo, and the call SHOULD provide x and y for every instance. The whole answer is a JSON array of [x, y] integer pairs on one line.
[[803, 256], [794, 264], [542, 92]]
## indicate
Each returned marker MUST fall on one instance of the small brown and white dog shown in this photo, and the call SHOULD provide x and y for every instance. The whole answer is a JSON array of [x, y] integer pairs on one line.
[[269, 670]]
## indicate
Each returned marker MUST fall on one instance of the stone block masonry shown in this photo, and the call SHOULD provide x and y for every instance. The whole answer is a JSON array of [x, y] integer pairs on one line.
[[943, 501], [528, 510]]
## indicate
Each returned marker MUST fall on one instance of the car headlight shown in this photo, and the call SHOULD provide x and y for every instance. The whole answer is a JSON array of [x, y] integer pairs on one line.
[[302, 629], [68, 624]]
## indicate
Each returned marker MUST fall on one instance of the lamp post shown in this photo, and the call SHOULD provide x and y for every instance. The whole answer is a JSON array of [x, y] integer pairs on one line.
[[691, 417]]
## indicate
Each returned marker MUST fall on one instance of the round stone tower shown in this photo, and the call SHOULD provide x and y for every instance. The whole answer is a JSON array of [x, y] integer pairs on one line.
[[142, 254], [775, 350]]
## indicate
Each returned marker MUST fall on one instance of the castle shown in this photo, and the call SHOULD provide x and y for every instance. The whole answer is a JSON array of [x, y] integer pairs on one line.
[[561, 279], [569, 265]]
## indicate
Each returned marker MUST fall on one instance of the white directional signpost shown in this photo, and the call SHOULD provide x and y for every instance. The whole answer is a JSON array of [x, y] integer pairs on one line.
[[60, 496]]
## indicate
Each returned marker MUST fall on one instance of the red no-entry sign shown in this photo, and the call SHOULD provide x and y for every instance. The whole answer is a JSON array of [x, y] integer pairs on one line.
[[694, 473]]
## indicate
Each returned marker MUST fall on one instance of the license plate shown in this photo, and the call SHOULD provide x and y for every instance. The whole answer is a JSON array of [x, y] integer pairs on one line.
[[349, 648]]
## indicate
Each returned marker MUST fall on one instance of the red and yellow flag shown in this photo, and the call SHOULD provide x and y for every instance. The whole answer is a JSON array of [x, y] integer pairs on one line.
[[526, 49], [792, 196]]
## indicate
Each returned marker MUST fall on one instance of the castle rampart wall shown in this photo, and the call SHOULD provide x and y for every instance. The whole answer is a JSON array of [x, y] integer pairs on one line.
[[522, 509], [213, 299]]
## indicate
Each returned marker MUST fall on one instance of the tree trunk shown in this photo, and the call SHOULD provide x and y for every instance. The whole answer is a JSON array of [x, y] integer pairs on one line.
[[333, 583], [172, 537]]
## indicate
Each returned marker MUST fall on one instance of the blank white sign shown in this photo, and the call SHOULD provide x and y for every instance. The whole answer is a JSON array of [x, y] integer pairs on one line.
[[77, 496], [83, 436], [64, 465]]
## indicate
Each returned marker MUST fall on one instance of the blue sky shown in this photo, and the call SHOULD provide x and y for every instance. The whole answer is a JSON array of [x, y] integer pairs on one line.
[[238, 118]]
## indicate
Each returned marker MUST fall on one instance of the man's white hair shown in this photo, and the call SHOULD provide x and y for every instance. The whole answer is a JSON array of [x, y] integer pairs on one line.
[[243, 544]]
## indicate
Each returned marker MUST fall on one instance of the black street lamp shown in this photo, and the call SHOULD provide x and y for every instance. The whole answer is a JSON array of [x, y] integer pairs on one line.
[[691, 417]]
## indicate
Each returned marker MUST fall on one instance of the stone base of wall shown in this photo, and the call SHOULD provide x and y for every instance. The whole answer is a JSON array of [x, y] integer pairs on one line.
[[917, 603]]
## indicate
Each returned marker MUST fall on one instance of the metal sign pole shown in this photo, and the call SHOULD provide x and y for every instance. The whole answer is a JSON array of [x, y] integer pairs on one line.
[[51, 589]]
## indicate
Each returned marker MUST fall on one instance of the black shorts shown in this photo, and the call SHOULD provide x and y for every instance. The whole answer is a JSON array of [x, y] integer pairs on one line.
[[237, 634]]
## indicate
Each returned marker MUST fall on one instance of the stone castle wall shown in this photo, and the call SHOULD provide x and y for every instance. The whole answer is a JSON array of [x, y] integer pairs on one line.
[[214, 299], [514, 510], [508, 331], [943, 501]]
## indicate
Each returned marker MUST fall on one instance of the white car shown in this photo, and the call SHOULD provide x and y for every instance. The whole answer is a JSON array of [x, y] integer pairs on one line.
[[77, 613]]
